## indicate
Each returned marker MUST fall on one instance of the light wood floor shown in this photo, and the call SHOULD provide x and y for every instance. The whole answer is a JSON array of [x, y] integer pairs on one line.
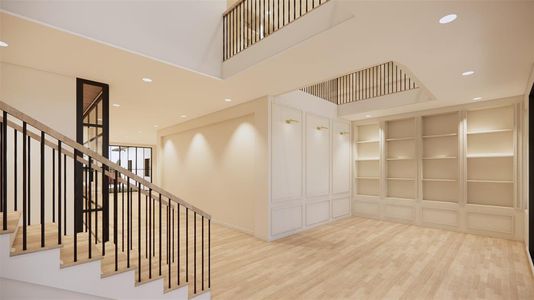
[[358, 258]]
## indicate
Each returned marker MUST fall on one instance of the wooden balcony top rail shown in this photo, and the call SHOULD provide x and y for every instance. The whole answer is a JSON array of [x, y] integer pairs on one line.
[[95, 156]]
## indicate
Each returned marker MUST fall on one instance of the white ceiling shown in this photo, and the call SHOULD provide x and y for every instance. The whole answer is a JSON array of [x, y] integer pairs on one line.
[[496, 39], [182, 33]]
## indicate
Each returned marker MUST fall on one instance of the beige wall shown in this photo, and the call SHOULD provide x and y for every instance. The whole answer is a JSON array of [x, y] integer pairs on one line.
[[219, 163]]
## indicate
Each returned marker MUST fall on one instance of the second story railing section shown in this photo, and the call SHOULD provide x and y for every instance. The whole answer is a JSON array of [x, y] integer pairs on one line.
[[384, 79], [250, 21]]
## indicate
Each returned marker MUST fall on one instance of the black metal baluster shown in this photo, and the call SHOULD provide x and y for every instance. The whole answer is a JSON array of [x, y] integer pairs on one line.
[[146, 226], [89, 205], [29, 181], [4, 170], [15, 174], [160, 236], [53, 185], [42, 208], [139, 232], [24, 188], [64, 194], [153, 208], [186, 244], [178, 238], [59, 150], [202, 252], [150, 233], [96, 204], [103, 219], [195, 252], [122, 216], [169, 243], [128, 224], [209, 253], [172, 233], [115, 218]]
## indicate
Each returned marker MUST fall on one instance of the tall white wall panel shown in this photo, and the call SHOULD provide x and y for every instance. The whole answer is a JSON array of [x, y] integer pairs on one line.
[[286, 153], [340, 157], [317, 156]]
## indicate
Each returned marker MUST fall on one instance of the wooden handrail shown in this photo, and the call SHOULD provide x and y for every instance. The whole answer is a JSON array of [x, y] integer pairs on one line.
[[95, 156]]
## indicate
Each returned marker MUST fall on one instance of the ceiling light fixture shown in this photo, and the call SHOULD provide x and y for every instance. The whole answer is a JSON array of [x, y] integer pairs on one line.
[[468, 73], [156, 126], [116, 105], [447, 19], [367, 116], [3, 44], [183, 116], [477, 98], [228, 100], [147, 80]]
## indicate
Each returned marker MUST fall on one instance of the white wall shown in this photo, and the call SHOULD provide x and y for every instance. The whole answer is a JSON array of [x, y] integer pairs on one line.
[[219, 163], [14, 289], [310, 163]]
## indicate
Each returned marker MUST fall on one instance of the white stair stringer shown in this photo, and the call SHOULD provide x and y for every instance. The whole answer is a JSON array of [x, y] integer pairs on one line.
[[43, 267]]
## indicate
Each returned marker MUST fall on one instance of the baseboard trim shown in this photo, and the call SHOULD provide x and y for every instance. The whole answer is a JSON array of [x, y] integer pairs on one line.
[[233, 227]]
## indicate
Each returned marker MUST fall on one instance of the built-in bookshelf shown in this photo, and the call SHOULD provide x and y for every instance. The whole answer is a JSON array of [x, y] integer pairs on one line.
[[401, 163], [440, 157], [367, 146], [490, 156]]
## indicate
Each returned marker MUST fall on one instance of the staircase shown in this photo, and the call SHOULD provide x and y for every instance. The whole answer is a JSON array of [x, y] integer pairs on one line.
[[102, 231]]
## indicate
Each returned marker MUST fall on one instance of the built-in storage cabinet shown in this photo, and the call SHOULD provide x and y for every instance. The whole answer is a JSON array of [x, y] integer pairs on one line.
[[367, 171], [401, 164], [440, 157], [490, 156], [453, 169]]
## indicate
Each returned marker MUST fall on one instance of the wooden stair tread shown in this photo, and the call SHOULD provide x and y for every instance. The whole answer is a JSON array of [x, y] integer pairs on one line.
[[12, 222], [67, 251], [33, 239]]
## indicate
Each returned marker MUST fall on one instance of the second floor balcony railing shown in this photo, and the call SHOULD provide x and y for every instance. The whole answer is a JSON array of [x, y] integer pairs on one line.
[[249, 21]]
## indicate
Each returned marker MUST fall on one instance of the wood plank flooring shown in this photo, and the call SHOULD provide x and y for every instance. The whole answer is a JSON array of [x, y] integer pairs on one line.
[[357, 258]]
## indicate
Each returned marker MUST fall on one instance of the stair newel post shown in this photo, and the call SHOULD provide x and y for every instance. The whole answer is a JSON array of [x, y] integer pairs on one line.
[[24, 188], [42, 208], [88, 206], [115, 218], [139, 231], [59, 192], [4, 170]]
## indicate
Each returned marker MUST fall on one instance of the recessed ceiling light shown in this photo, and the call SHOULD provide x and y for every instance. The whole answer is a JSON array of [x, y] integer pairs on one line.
[[156, 126], [228, 100], [116, 105], [139, 131], [3, 44], [468, 73], [146, 79], [447, 19], [367, 116], [183, 116], [477, 98]]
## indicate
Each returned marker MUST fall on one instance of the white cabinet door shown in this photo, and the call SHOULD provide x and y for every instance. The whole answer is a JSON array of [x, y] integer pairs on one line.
[[317, 156], [341, 158], [286, 153]]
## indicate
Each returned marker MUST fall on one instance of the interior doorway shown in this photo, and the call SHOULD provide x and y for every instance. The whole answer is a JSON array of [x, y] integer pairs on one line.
[[92, 131]]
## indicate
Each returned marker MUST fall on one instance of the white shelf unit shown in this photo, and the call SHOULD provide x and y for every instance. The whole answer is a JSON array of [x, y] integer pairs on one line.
[[440, 164], [490, 155], [367, 170], [400, 154]]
